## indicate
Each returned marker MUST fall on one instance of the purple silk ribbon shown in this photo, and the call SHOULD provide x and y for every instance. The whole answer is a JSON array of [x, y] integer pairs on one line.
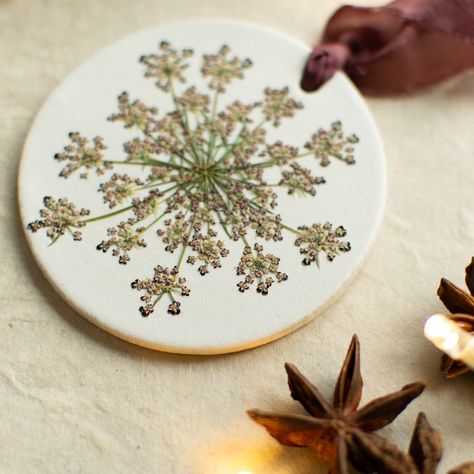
[[398, 48]]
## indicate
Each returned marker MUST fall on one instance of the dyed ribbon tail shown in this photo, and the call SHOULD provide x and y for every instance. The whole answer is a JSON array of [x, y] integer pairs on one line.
[[399, 48], [323, 62]]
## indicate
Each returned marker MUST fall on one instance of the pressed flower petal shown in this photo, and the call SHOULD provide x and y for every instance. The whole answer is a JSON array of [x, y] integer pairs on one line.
[[425, 446], [303, 391], [382, 411], [454, 298], [348, 390]]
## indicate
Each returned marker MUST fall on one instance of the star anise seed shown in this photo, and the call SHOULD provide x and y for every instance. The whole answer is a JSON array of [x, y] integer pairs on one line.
[[425, 446], [461, 304], [466, 468], [426, 449], [341, 434]]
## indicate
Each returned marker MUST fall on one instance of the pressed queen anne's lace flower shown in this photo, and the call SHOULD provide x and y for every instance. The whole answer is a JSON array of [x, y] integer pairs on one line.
[[176, 232], [208, 251], [167, 66], [278, 105], [81, 154], [195, 178], [118, 188], [164, 282], [321, 238], [299, 179], [327, 144], [59, 217], [279, 153], [194, 102], [123, 238], [222, 69], [134, 114], [259, 268]]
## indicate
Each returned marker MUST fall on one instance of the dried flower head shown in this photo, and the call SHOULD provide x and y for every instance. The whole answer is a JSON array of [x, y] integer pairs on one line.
[[59, 217], [197, 175], [279, 153], [122, 239], [194, 102], [167, 66], [134, 114], [321, 238], [327, 144], [300, 180], [277, 105], [119, 188], [260, 268], [208, 250], [222, 69], [164, 282], [82, 155]]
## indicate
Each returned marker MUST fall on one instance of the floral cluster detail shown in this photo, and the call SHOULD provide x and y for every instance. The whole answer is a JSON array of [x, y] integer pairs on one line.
[[332, 143], [164, 282], [82, 155], [60, 217], [317, 239], [195, 178]]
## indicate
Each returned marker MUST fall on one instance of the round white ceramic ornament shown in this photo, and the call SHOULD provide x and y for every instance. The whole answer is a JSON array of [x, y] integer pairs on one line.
[[181, 191]]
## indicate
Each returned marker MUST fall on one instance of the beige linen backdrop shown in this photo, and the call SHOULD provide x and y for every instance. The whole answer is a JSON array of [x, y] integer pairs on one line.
[[74, 399]]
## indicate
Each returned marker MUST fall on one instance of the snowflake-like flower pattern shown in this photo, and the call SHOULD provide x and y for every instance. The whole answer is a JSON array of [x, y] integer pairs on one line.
[[195, 177]]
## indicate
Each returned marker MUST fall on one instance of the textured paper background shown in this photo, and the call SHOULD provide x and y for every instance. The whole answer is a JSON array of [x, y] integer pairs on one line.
[[74, 399]]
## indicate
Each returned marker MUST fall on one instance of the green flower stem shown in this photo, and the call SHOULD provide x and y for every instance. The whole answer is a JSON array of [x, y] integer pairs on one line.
[[154, 221], [210, 150], [106, 216], [221, 222], [184, 122], [120, 211], [270, 163], [239, 180], [166, 164], [290, 229], [230, 149], [185, 245], [302, 155], [183, 157], [152, 185], [245, 241], [54, 240], [158, 299]]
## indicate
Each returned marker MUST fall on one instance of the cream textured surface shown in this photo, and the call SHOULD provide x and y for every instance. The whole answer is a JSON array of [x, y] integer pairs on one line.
[[75, 399]]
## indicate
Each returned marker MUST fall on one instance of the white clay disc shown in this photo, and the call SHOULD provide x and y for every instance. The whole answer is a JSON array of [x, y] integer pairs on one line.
[[214, 177]]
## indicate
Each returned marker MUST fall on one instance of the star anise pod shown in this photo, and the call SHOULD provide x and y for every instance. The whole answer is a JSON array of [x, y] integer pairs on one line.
[[341, 433], [461, 304], [466, 468], [426, 449]]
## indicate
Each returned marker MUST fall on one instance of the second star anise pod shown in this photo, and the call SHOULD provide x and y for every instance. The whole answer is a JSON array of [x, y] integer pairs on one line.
[[426, 449], [461, 304], [342, 433]]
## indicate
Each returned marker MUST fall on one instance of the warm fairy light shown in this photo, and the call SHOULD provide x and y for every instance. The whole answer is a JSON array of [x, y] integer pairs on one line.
[[447, 336]]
